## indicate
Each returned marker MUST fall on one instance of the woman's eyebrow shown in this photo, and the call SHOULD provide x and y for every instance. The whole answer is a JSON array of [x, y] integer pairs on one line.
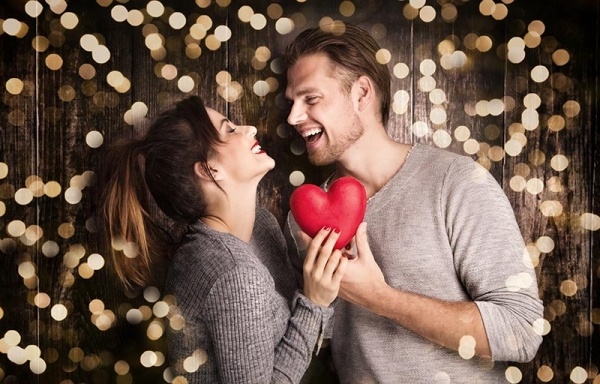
[[224, 121]]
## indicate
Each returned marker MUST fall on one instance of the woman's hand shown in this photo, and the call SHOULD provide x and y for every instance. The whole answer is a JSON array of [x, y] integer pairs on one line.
[[323, 267]]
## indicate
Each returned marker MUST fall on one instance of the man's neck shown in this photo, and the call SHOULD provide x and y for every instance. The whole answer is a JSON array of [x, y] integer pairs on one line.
[[373, 160]]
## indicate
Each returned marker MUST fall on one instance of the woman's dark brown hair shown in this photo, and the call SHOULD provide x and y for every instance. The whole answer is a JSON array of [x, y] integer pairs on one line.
[[161, 162]]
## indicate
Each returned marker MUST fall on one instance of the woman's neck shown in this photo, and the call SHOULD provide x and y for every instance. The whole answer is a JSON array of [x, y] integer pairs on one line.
[[233, 213]]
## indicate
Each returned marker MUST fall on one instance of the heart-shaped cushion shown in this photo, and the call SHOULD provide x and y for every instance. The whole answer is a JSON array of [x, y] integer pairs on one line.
[[342, 206]]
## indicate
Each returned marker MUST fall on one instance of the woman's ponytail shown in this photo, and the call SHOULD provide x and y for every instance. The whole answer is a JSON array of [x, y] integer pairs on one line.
[[156, 172], [124, 212]]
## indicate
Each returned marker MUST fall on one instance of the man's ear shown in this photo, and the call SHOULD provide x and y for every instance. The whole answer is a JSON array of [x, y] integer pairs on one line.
[[364, 92], [204, 172]]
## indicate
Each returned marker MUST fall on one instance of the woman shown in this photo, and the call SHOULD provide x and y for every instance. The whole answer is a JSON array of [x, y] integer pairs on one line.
[[244, 320]]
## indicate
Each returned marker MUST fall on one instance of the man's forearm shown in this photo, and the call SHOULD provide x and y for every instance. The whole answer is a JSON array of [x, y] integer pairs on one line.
[[442, 322]]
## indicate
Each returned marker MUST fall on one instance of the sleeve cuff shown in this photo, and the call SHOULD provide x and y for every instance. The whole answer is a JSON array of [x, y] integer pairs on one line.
[[322, 315]]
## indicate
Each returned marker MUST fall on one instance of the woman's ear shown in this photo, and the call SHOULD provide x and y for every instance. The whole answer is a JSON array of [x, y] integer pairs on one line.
[[205, 171]]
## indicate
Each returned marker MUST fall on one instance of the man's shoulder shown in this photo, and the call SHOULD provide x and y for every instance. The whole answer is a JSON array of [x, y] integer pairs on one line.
[[439, 154], [434, 161]]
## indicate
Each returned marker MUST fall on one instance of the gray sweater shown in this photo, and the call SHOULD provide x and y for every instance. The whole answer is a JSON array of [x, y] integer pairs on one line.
[[441, 227], [244, 320]]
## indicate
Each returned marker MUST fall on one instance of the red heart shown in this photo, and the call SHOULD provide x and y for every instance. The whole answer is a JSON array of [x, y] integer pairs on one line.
[[342, 207]]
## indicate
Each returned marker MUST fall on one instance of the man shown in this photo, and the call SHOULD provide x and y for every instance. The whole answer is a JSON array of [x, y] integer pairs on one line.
[[442, 289]]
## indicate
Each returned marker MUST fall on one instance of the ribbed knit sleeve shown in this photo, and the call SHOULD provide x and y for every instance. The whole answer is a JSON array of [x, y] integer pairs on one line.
[[304, 331], [237, 315], [483, 233], [296, 254], [443, 228]]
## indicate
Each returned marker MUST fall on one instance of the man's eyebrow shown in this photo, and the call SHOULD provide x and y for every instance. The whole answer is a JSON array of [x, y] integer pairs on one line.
[[304, 91]]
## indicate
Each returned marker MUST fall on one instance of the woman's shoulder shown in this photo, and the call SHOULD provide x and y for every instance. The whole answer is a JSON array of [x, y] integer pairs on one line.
[[265, 219], [204, 255], [215, 249]]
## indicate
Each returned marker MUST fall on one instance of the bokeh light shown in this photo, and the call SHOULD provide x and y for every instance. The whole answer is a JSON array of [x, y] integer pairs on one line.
[[91, 83]]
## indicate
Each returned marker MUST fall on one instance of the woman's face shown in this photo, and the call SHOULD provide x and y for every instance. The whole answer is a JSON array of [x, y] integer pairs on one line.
[[240, 158]]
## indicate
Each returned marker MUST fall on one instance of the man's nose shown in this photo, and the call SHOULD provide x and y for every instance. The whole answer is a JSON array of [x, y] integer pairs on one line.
[[297, 115]]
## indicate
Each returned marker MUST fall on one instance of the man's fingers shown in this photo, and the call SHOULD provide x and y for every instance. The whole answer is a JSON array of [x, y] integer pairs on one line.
[[351, 251], [362, 243]]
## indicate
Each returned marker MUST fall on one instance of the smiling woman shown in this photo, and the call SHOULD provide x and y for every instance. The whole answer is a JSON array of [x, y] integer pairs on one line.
[[511, 84], [229, 280], [237, 153]]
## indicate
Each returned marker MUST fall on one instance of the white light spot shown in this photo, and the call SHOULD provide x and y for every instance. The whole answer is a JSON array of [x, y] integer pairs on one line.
[[541, 326], [513, 375], [296, 178], [94, 139], [590, 221], [223, 33], [177, 20], [59, 312]]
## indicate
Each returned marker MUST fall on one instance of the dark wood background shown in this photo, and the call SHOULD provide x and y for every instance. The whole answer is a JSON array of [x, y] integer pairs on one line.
[[43, 134]]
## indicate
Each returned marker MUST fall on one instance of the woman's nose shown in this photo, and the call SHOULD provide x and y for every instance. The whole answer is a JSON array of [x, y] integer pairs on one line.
[[250, 130]]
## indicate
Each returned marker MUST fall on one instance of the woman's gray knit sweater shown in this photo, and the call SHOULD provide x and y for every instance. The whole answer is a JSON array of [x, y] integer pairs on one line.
[[244, 320]]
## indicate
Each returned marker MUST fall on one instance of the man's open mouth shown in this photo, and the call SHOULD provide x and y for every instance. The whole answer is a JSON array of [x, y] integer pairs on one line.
[[312, 135]]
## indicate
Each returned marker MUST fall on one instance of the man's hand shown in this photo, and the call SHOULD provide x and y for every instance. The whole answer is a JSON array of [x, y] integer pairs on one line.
[[363, 280], [364, 284]]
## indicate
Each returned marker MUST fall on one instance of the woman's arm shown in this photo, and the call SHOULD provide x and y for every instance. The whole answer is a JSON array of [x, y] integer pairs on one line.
[[239, 314]]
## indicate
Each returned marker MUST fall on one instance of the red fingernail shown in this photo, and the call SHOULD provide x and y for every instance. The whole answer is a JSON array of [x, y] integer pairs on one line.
[[336, 230], [327, 228]]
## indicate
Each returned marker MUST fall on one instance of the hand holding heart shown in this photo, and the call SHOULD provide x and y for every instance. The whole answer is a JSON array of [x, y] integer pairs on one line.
[[363, 279], [323, 268], [342, 207]]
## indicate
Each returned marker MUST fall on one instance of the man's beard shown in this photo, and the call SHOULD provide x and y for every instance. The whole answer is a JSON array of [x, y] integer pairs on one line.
[[328, 155]]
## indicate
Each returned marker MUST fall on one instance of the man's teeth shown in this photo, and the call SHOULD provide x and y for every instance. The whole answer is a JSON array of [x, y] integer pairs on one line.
[[256, 149], [311, 132]]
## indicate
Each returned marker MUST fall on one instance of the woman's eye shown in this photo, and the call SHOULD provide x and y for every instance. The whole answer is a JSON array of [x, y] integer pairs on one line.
[[311, 100]]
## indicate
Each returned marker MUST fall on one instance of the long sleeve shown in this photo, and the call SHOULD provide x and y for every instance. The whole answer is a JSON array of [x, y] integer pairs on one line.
[[491, 260], [238, 314], [296, 257], [295, 254], [442, 228]]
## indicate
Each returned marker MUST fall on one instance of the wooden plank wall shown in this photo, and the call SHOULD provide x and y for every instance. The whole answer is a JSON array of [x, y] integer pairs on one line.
[[63, 318]]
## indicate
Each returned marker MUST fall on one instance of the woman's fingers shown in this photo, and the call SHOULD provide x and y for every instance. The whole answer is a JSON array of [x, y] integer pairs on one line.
[[313, 248], [333, 263], [338, 274], [324, 267], [326, 250]]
